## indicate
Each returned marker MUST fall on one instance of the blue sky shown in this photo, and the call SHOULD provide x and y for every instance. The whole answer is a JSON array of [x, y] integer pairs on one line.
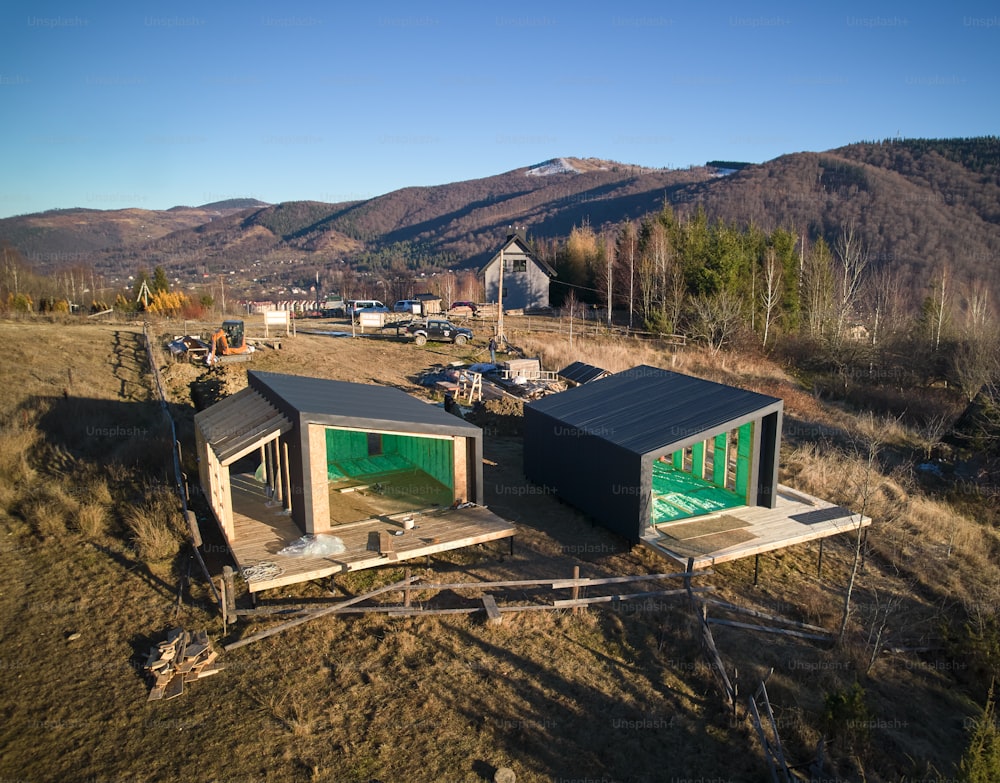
[[108, 105]]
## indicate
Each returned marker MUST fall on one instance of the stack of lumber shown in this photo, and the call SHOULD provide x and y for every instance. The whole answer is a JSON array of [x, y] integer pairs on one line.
[[182, 657]]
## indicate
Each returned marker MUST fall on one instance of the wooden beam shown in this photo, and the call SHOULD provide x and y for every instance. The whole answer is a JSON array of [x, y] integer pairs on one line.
[[768, 629], [319, 613], [612, 580], [557, 584], [603, 599], [763, 615], [229, 582]]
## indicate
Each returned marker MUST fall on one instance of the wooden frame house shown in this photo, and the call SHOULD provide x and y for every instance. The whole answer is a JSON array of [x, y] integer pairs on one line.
[[292, 455]]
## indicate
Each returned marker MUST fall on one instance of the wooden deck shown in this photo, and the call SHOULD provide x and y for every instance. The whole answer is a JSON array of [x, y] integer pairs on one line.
[[739, 532], [263, 528]]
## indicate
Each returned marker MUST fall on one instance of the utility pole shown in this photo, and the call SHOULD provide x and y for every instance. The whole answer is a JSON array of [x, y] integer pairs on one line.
[[143, 294], [500, 335]]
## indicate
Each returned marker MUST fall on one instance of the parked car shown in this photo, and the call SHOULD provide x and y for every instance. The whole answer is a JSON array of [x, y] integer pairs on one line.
[[355, 306], [406, 306], [463, 309], [438, 329]]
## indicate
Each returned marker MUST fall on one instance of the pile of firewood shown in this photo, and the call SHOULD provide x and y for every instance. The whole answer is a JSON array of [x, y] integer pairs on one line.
[[182, 657]]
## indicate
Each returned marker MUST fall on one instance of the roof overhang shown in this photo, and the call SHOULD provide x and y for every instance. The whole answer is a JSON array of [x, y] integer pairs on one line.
[[239, 424]]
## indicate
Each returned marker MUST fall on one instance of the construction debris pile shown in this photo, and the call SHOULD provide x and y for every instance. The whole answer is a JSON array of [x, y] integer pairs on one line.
[[188, 347], [521, 378], [526, 378], [182, 657]]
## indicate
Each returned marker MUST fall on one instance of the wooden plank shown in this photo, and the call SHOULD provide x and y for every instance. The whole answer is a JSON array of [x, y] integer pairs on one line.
[[385, 545], [763, 615], [768, 629], [319, 613], [602, 599], [611, 580], [492, 612], [174, 688]]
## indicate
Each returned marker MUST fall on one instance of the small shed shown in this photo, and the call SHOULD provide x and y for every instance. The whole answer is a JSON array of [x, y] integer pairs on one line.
[[292, 455], [649, 445], [525, 277], [430, 304]]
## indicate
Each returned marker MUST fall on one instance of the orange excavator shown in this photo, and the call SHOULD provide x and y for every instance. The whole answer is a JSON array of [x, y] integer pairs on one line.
[[228, 341]]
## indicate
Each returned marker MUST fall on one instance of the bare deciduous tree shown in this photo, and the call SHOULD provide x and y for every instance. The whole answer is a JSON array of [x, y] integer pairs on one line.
[[939, 306], [817, 287], [873, 431], [884, 295], [973, 363], [716, 318], [852, 261], [770, 295]]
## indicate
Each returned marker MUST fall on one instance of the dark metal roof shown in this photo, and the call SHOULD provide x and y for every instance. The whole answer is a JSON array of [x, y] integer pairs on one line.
[[647, 409], [581, 373], [357, 404]]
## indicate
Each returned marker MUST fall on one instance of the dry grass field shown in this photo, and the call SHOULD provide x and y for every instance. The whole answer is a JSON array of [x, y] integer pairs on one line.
[[97, 567]]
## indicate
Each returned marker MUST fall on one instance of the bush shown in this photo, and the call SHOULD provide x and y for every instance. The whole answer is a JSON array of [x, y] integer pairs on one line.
[[49, 509], [155, 525], [981, 760], [92, 520], [846, 717]]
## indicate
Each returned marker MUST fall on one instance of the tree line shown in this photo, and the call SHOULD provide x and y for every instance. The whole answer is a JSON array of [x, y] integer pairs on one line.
[[830, 305]]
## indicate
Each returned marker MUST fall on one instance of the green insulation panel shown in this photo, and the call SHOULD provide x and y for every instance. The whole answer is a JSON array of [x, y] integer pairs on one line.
[[720, 459], [434, 456], [744, 450], [698, 459], [679, 495], [679, 459], [349, 455]]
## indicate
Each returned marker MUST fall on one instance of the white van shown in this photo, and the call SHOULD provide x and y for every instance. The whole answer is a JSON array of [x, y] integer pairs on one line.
[[356, 305]]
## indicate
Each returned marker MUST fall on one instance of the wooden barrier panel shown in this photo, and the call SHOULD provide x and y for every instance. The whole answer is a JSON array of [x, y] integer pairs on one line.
[[278, 318]]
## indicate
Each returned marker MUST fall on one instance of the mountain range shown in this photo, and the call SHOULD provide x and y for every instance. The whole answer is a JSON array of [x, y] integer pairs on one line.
[[918, 204]]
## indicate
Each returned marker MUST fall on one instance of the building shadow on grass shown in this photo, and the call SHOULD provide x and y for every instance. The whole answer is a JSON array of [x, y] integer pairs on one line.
[[604, 719], [104, 432]]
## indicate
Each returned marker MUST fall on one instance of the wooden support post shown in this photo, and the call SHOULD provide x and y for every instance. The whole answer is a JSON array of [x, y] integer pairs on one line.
[[222, 604], [278, 465], [493, 616], [576, 588], [192, 521], [288, 483], [756, 569], [263, 463], [687, 577], [819, 562], [230, 583], [406, 590]]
